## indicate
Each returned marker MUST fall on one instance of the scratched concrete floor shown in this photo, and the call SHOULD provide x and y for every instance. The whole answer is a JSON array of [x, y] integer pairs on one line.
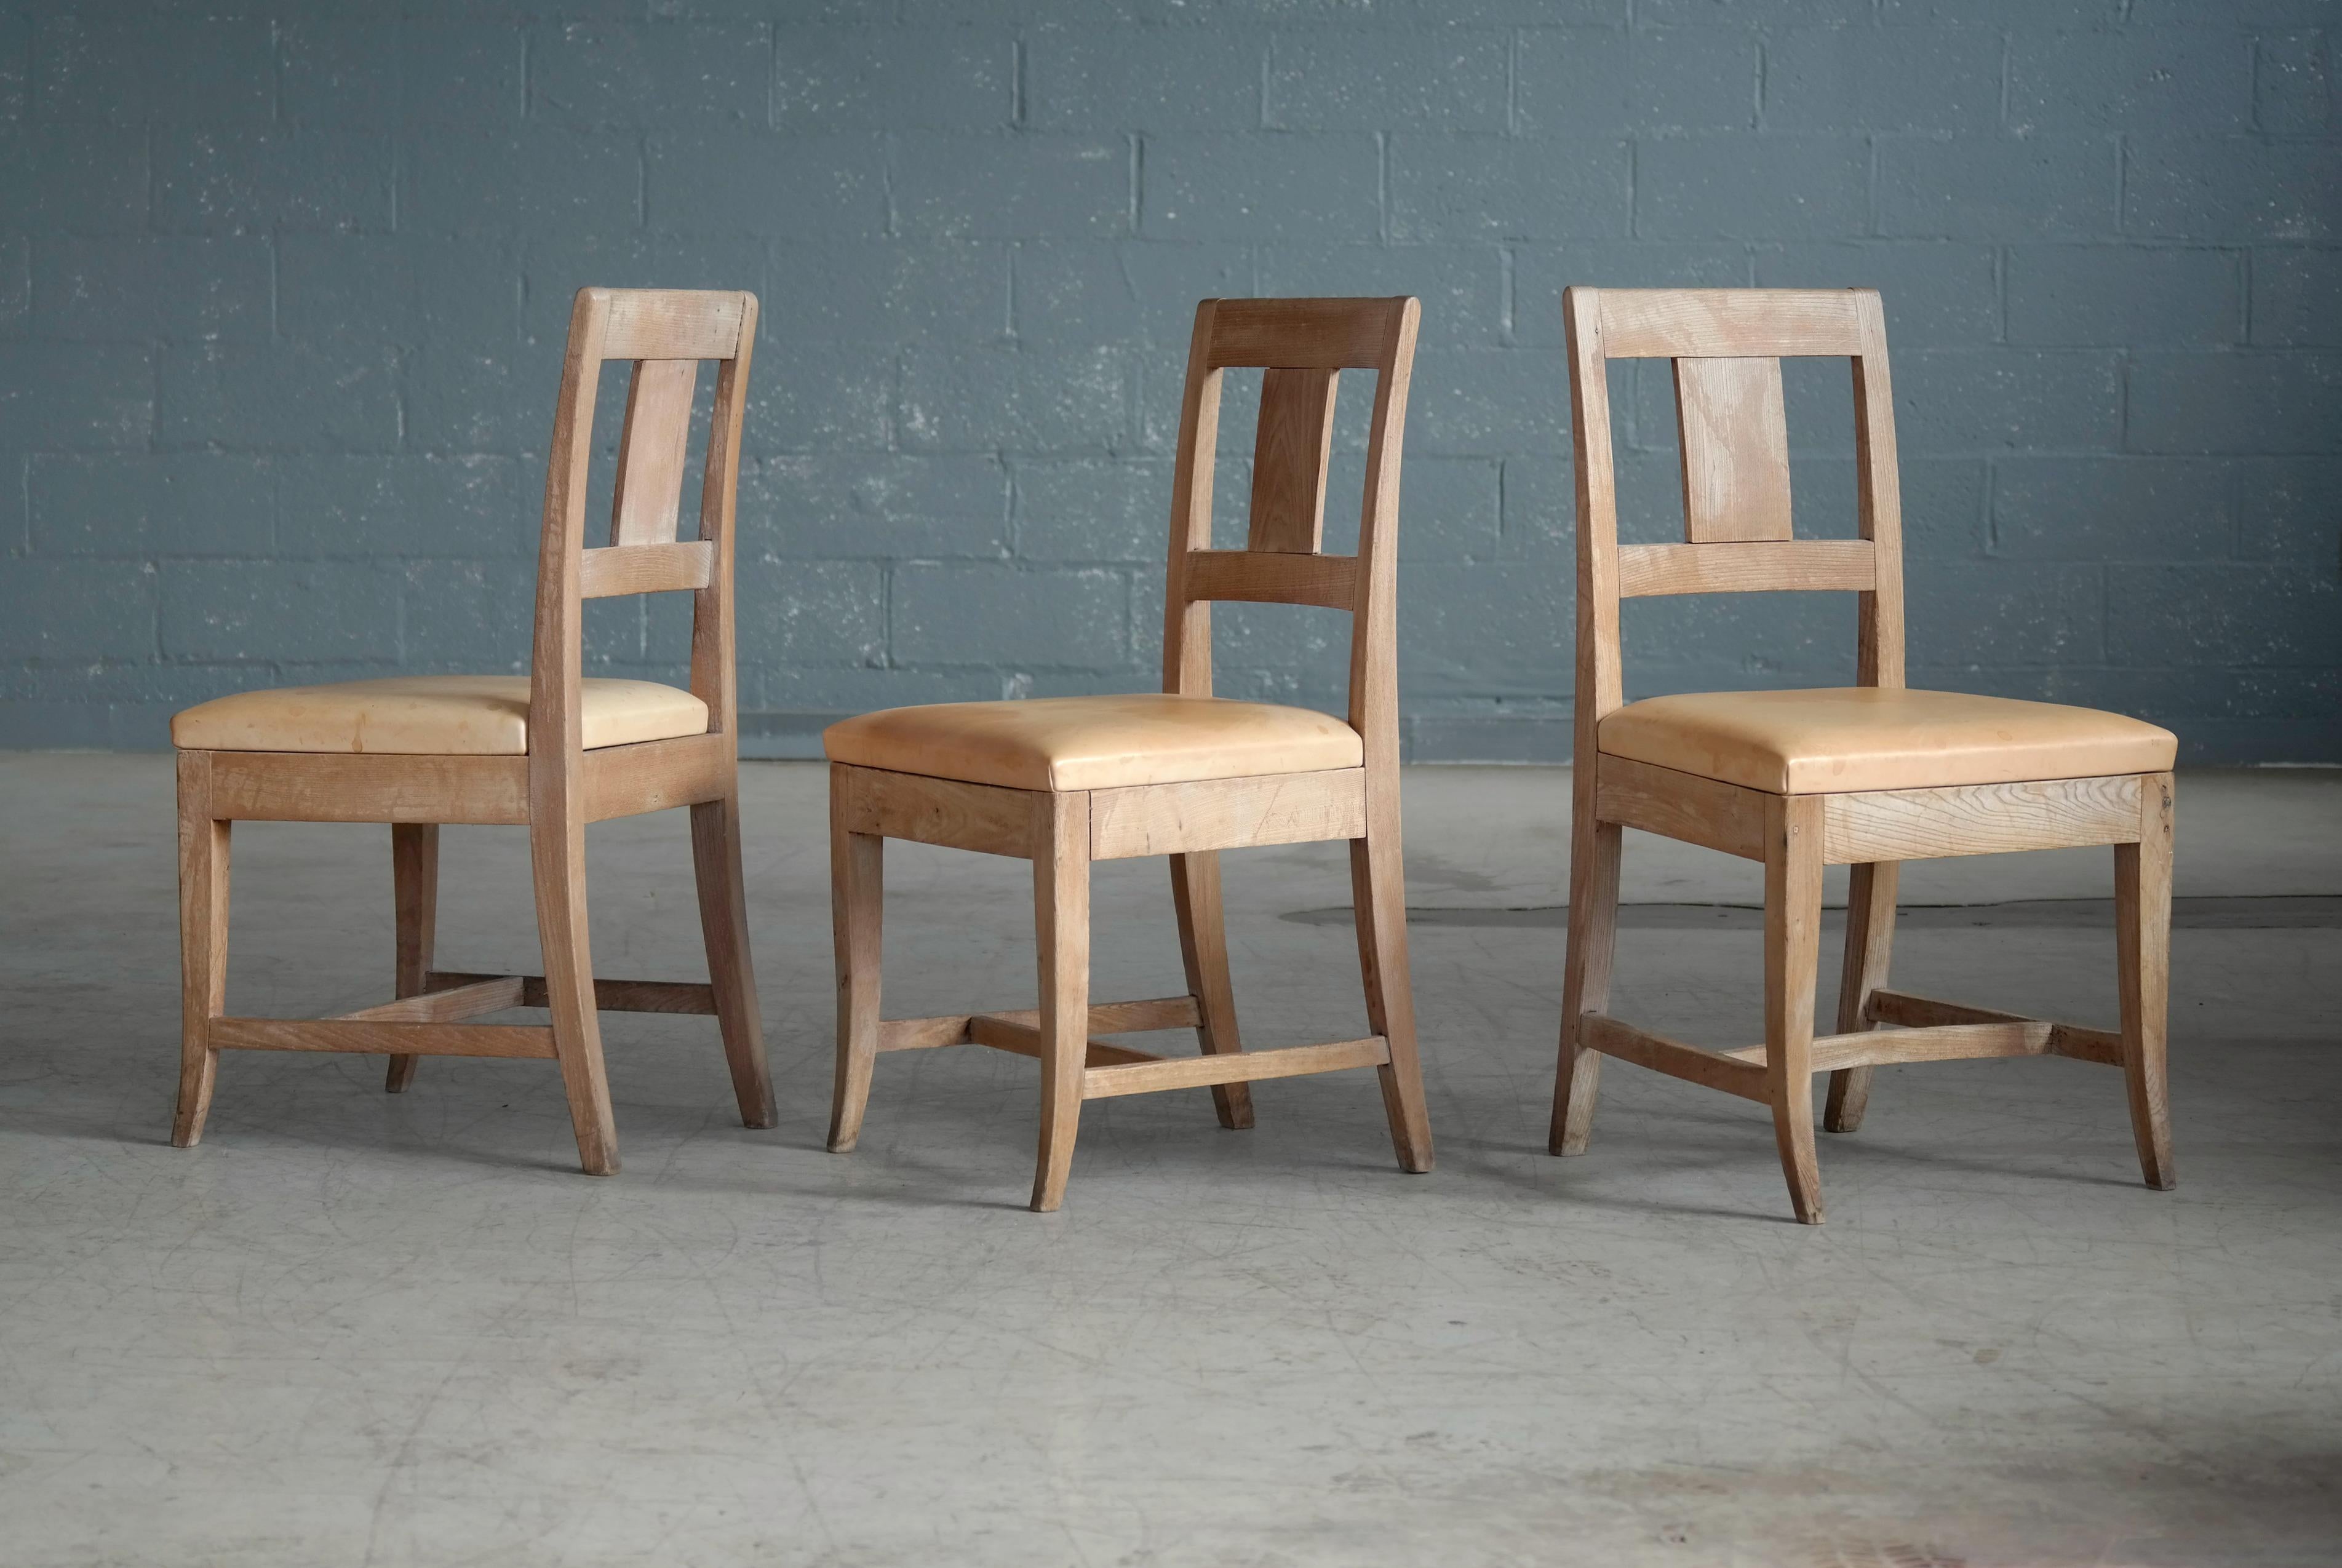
[[356, 1329]]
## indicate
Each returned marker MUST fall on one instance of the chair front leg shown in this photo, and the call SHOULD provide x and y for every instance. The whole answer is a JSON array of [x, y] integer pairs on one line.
[[2143, 950], [1869, 942], [1378, 896], [203, 945], [1061, 918], [414, 894], [732, 975], [1792, 917], [1203, 952], [1596, 849], [556, 848], [857, 862]]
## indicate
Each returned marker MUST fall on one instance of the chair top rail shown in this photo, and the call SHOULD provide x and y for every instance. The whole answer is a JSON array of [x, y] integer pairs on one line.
[[1731, 323]]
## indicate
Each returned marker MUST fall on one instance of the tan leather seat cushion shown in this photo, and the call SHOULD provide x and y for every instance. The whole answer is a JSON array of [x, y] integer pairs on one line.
[[428, 716], [1094, 743], [1838, 738]]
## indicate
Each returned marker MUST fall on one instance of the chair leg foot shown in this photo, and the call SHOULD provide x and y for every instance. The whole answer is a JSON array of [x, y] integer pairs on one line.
[[1793, 1132], [732, 975], [1203, 952], [203, 946]]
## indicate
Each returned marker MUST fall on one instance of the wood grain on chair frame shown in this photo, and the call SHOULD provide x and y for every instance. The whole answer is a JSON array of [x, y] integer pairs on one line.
[[558, 786], [1302, 346], [1726, 344]]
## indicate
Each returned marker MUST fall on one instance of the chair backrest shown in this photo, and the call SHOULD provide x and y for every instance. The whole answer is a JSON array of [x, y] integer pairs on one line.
[[665, 333], [1301, 346], [1727, 345]]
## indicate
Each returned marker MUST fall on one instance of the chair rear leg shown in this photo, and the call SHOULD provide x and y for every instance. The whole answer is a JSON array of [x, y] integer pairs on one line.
[[1594, 852], [1204, 950], [857, 906], [203, 945], [557, 848], [1869, 942], [1061, 920], [1793, 918], [1378, 896], [731, 973], [415, 892], [2143, 949]]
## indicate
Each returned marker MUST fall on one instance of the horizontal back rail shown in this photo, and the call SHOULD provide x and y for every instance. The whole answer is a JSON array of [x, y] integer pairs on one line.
[[683, 565], [1730, 323], [1770, 566], [1300, 333], [1272, 577], [671, 323]]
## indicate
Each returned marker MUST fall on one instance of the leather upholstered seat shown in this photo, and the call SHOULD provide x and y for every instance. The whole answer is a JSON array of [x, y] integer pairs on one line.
[[429, 715], [1845, 738], [1094, 743]]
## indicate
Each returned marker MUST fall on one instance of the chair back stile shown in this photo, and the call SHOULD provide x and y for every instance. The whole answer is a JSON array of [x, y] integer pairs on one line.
[[1726, 346], [665, 333], [1301, 346]]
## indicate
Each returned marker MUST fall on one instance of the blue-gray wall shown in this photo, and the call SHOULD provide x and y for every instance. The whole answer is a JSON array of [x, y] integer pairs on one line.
[[283, 289]]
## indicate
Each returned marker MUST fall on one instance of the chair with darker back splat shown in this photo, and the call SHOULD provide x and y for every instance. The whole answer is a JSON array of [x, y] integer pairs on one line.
[[1066, 781], [1866, 776], [551, 750]]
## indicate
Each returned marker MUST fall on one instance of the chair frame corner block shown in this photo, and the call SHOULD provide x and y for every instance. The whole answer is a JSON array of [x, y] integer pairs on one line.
[[1727, 347], [1301, 346], [557, 787]]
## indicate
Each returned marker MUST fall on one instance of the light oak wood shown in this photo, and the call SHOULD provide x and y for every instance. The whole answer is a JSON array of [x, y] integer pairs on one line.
[[555, 789], [1980, 819], [653, 452], [617, 570], [1679, 805], [1105, 1018], [1204, 815], [1725, 345], [1026, 1039], [1783, 566], [1734, 432], [1730, 322], [1104, 1082], [1204, 954], [1300, 344], [369, 1037], [1869, 946], [1061, 924], [1712, 1069], [982, 817], [2082, 1044]]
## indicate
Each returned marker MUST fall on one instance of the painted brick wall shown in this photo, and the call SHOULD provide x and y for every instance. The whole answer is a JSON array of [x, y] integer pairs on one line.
[[282, 287]]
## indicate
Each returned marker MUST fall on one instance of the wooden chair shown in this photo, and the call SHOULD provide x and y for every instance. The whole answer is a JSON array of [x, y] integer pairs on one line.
[[1064, 782], [552, 751], [1866, 776]]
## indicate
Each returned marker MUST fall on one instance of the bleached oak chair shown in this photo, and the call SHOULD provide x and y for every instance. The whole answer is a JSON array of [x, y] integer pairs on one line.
[[551, 750], [1064, 782], [1867, 776]]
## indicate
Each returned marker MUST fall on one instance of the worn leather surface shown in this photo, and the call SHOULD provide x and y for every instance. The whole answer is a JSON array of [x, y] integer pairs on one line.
[[1094, 743], [1830, 739], [428, 716]]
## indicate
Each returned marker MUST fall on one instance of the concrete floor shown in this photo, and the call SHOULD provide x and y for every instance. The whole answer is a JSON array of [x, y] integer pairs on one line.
[[356, 1329]]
